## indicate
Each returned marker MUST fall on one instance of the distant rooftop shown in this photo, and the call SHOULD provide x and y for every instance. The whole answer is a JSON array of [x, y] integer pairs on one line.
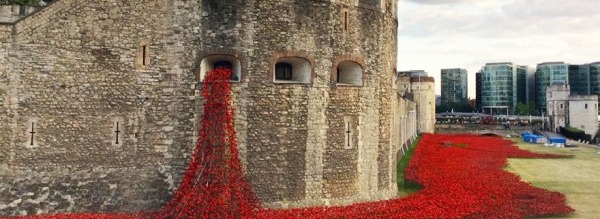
[[499, 63], [421, 79], [413, 73], [552, 63]]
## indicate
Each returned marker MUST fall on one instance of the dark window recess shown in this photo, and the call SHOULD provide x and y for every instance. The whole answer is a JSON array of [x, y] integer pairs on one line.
[[223, 64], [586, 106], [345, 20], [338, 75], [144, 55], [226, 65], [283, 71]]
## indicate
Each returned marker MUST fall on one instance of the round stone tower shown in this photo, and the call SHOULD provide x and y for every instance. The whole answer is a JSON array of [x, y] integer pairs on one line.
[[312, 85]]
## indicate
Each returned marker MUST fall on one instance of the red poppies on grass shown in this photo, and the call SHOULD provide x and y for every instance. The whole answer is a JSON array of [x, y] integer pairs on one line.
[[461, 175]]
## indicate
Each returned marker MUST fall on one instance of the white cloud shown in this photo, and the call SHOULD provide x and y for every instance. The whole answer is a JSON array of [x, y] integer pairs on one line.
[[466, 33]]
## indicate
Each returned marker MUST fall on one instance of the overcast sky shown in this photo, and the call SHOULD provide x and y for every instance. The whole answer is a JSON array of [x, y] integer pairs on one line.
[[437, 34]]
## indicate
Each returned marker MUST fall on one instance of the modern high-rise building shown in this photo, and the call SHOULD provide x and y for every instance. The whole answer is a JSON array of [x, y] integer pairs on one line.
[[595, 78], [582, 79], [503, 85], [579, 79], [454, 85], [546, 75], [478, 96]]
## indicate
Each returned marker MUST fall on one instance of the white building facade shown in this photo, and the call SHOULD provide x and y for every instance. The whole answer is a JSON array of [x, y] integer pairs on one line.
[[576, 111]]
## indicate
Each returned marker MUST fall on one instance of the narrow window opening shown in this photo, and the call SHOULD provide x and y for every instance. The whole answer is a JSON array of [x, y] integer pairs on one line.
[[117, 132], [283, 71], [561, 105], [586, 106], [345, 20], [348, 134], [32, 132], [144, 55]]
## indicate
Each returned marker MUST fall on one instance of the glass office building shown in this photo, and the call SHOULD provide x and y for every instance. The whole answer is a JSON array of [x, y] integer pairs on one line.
[[582, 79], [478, 93], [454, 85], [546, 75], [595, 78], [503, 85], [579, 79]]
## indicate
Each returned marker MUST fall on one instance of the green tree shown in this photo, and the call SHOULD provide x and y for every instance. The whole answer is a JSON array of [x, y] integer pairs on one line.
[[526, 109]]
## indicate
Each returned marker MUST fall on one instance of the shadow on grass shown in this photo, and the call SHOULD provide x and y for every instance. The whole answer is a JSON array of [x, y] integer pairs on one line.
[[407, 187]]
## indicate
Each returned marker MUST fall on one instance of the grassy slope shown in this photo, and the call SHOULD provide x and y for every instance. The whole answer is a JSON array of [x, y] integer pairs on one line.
[[405, 188], [578, 178]]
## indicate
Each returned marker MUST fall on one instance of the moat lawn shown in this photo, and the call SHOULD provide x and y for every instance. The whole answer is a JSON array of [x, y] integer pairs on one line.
[[577, 178]]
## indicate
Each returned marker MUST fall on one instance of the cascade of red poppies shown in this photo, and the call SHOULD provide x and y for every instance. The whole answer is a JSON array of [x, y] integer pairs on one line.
[[462, 177], [214, 185]]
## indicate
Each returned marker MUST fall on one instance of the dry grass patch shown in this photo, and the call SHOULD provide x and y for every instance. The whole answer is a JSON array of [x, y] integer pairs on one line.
[[577, 178]]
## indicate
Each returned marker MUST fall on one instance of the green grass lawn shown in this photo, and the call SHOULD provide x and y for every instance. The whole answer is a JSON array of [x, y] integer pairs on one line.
[[405, 187], [578, 178]]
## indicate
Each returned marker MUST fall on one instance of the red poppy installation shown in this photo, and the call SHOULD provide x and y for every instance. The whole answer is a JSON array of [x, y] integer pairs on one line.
[[461, 175], [214, 183]]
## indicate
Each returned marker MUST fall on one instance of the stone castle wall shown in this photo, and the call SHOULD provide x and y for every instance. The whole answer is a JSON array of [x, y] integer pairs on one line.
[[5, 131], [72, 76], [75, 69], [424, 94]]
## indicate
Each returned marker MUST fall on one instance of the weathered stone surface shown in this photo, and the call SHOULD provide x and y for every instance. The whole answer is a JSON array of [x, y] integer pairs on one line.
[[75, 68]]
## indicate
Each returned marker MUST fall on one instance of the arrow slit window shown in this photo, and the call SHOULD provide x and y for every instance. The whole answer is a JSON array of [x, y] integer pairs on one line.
[[349, 131]]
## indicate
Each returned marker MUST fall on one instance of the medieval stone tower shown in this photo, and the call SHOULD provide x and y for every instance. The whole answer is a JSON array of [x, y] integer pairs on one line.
[[99, 100]]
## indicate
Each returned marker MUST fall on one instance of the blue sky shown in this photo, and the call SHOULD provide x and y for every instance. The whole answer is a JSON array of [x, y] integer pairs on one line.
[[436, 34]]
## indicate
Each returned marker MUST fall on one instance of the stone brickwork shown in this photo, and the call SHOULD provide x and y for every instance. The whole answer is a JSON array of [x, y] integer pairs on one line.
[[424, 94], [5, 131], [72, 77]]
